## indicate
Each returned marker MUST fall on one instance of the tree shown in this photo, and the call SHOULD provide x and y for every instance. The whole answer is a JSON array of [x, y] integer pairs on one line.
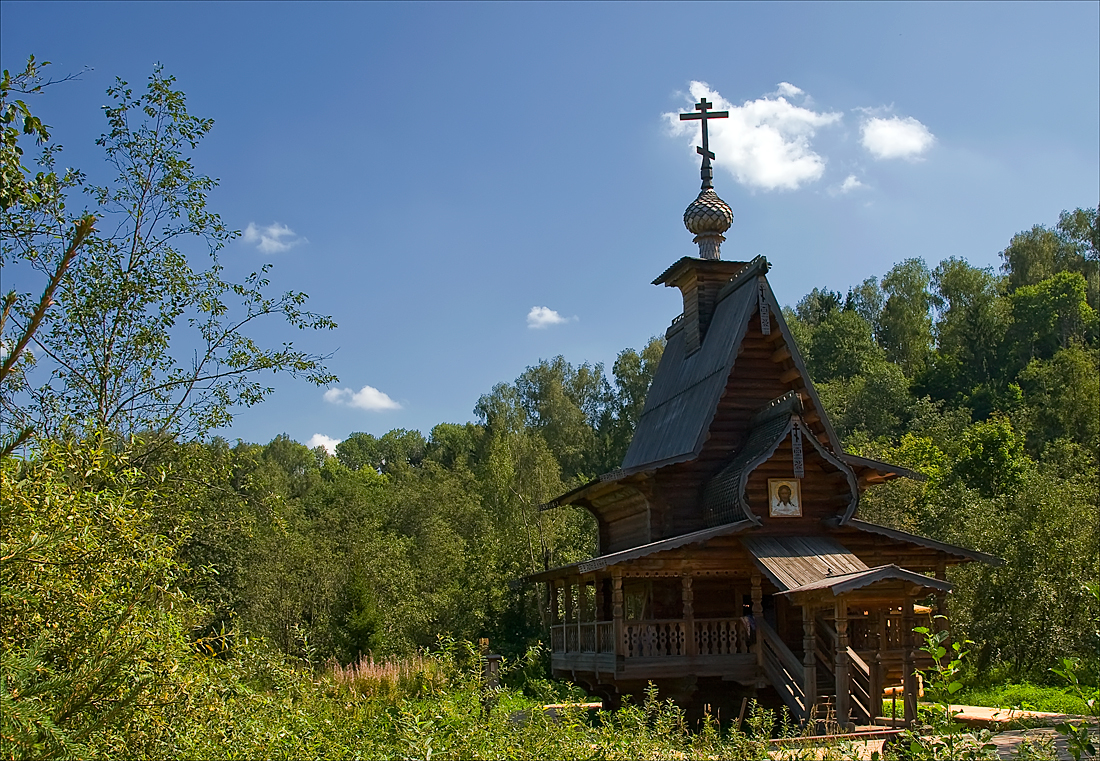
[[867, 300], [1040, 253], [1050, 315], [991, 457], [111, 351], [906, 322], [33, 206], [1064, 393], [633, 373], [817, 305], [971, 323], [841, 346]]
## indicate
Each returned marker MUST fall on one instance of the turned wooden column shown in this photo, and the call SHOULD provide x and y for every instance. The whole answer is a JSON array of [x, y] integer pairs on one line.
[[689, 614], [567, 612], [809, 660], [909, 678], [843, 686], [582, 593], [617, 609], [875, 625], [940, 622], [758, 618]]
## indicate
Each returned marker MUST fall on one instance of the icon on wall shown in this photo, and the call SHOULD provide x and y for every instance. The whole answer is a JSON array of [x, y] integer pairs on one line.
[[784, 498]]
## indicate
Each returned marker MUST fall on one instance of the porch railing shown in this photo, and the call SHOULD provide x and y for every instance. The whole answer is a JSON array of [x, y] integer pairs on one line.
[[654, 639], [592, 637], [722, 636]]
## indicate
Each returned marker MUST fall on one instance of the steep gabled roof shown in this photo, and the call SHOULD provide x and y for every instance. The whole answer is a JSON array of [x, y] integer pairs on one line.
[[724, 496], [687, 387]]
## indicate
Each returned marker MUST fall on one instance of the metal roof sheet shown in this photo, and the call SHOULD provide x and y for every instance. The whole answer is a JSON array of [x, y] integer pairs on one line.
[[794, 561]]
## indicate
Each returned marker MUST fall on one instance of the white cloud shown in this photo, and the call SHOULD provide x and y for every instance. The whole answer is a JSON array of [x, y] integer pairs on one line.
[[272, 238], [788, 90], [367, 398], [896, 138], [544, 317], [764, 143], [321, 440], [851, 182]]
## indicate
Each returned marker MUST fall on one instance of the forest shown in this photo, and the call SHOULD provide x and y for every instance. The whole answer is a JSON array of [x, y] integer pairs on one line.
[[168, 592]]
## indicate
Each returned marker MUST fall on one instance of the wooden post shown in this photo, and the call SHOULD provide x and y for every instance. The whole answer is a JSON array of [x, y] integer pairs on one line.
[[599, 603], [689, 614], [940, 622], [909, 679], [875, 626], [555, 611], [843, 687], [758, 617], [582, 593], [617, 608], [809, 660], [567, 617]]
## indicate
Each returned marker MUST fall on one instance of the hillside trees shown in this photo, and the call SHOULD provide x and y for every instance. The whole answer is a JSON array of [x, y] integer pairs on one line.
[[989, 384]]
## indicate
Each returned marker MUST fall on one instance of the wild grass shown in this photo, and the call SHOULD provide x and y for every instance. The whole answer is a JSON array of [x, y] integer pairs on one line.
[[386, 679]]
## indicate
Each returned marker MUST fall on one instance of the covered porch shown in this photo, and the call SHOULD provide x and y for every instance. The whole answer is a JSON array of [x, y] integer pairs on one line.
[[811, 622]]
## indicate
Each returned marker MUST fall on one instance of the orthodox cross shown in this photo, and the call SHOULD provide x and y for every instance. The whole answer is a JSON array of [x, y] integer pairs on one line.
[[703, 108]]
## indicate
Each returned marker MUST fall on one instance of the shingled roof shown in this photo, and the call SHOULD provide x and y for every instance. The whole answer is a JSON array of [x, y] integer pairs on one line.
[[687, 387]]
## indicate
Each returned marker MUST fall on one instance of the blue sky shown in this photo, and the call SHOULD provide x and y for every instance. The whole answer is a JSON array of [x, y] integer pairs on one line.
[[431, 173]]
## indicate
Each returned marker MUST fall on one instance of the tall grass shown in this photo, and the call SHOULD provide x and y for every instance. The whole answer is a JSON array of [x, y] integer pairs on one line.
[[389, 678]]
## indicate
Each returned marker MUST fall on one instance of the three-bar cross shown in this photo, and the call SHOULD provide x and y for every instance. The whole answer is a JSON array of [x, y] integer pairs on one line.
[[703, 113]]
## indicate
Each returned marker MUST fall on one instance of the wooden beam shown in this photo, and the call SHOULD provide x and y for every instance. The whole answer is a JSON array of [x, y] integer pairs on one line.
[[782, 353]]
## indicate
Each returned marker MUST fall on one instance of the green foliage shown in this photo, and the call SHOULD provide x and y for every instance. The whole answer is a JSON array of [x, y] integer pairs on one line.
[[989, 385], [104, 359], [90, 612], [991, 457], [906, 321], [163, 598]]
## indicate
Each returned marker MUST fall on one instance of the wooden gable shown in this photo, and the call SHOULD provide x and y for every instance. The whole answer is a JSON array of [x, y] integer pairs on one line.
[[728, 402]]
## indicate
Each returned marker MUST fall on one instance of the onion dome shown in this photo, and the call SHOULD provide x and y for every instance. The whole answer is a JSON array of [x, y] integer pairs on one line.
[[708, 217]]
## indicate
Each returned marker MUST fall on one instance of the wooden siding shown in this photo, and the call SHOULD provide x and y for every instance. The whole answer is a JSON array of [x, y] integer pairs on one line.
[[825, 489]]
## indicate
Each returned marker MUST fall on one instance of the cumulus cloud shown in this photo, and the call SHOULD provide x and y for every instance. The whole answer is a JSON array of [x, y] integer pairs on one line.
[[788, 90], [271, 239], [851, 182], [367, 398], [765, 143], [896, 137], [544, 317], [321, 440]]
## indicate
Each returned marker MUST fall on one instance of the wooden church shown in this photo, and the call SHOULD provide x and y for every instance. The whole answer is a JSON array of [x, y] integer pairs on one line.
[[733, 561]]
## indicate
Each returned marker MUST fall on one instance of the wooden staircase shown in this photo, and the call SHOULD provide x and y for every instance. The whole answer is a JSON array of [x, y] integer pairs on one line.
[[860, 683], [783, 670]]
